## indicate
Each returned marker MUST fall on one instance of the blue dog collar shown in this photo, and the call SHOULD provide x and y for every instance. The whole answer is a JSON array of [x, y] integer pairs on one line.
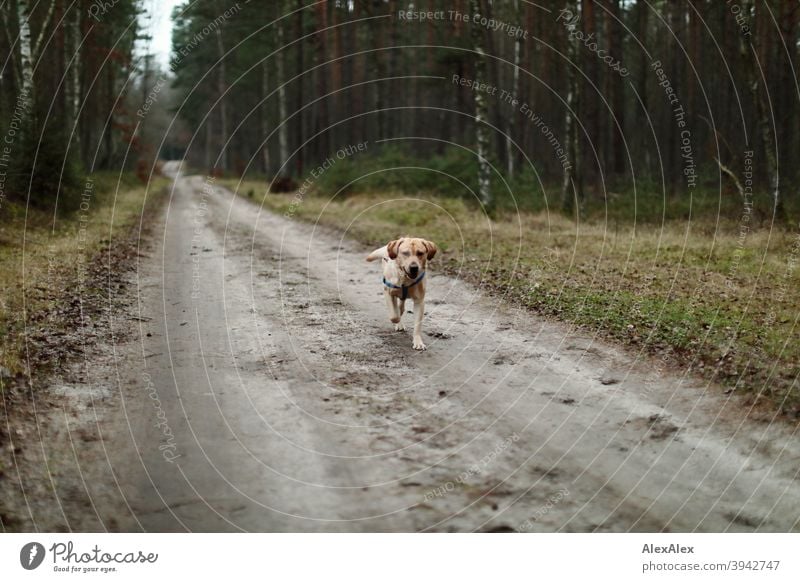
[[405, 288]]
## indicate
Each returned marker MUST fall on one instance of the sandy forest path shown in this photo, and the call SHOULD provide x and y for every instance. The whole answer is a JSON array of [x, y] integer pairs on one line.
[[265, 390]]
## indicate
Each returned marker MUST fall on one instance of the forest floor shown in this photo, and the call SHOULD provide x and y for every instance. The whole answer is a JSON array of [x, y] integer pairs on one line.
[[52, 269], [251, 381], [696, 294], [61, 283]]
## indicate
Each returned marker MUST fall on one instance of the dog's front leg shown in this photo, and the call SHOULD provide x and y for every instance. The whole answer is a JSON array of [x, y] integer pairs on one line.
[[419, 312], [391, 304], [401, 310]]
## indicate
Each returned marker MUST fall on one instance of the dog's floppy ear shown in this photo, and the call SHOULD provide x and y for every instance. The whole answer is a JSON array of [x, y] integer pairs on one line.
[[431, 248], [392, 247]]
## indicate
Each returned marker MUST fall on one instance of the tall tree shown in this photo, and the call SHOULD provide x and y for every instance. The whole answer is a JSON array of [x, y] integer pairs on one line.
[[571, 187], [481, 110], [758, 57], [222, 87], [492, 67], [283, 132]]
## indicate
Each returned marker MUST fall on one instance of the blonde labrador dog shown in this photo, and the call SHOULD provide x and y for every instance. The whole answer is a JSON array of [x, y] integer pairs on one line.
[[404, 262]]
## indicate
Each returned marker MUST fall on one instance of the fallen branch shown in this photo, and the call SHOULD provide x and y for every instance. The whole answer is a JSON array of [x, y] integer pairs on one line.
[[723, 168], [728, 172]]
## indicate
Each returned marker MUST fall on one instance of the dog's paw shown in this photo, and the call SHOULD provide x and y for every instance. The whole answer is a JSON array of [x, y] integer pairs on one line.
[[418, 345], [399, 327], [395, 319]]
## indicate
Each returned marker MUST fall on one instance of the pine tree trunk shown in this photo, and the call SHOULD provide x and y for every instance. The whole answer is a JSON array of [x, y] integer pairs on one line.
[[494, 74], [209, 146], [321, 107], [675, 55], [300, 129], [391, 117], [108, 136], [358, 124], [759, 86], [512, 133], [74, 34], [589, 107], [571, 186], [617, 97], [336, 67], [786, 89], [283, 131], [223, 109], [641, 81], [265, 161], [14, 65]]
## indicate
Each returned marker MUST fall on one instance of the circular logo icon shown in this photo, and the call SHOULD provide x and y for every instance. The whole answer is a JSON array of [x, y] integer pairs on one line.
[[31, 555]]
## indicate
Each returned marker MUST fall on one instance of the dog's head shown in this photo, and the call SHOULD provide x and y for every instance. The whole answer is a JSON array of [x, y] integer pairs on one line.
[[411, 254]]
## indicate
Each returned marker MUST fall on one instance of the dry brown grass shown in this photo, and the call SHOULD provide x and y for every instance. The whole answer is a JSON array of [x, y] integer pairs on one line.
[[42, 263]]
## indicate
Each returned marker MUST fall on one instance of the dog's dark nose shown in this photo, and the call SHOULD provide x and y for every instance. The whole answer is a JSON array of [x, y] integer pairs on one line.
[[413, 270]]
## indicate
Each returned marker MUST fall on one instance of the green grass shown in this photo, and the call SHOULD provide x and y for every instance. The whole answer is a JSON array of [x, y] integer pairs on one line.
[[614, 201], [43, 258], [688, 291]]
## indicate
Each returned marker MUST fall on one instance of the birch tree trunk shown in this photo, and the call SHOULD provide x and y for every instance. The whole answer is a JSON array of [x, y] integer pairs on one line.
[[481, 111], [29, 52], [25, 49]]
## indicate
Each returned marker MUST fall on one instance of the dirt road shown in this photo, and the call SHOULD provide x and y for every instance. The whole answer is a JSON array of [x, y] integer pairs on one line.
[[265, 390]]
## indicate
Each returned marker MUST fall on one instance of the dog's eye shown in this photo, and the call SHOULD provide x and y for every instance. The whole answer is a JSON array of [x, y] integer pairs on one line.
[[420, 253], [406, 253]]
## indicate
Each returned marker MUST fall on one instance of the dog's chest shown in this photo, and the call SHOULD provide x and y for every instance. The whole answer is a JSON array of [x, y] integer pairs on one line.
[[393, 274]]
